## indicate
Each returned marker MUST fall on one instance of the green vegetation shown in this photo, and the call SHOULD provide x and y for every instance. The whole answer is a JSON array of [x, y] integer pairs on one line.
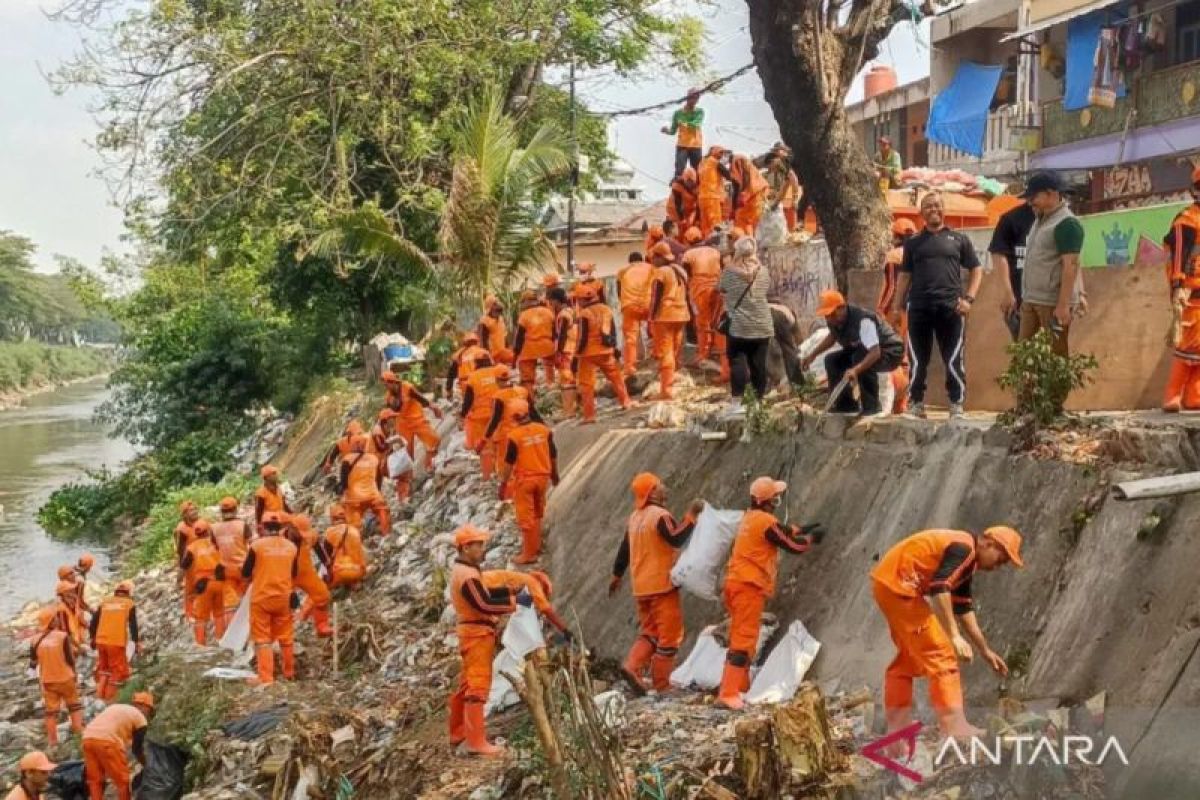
[[1041, 380], [31, 364], [157, 545]]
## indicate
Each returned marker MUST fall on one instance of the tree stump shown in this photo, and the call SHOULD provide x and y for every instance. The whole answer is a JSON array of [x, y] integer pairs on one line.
[[803, 739], [757, 759]]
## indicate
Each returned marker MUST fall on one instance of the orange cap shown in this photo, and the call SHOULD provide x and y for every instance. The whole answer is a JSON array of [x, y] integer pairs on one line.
[[544, 581], [766, 488], [389, 377], [662, 250], [551, 279], [830, 302], [87, 561], [519, 408], [469, 534], [586, 268], [1010, 540], [337, 511], [66, 572], [143, 699], [36, 762], [186, 506], [903, 227], [269, 470], [655, 233], [642, 485], [203, 526], [585, 291], [229, 503], [45, 617], [692, 235], [64, 587], [124, 587], [470, 337], [273, 518]]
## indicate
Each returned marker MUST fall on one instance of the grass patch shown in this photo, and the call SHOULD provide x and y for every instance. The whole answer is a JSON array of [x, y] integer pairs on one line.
[[157, 545]]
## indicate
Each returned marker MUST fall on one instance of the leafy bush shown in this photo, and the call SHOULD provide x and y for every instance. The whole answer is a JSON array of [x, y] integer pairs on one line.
[[156, 545], [30, 364], [78, 509], [1041, 380]]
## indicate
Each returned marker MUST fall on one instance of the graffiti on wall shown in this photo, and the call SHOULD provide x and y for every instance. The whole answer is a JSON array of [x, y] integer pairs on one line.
[[799, 273]]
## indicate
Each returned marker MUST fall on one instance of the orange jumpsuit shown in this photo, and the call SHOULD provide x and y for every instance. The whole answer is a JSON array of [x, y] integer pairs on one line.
[[535, 342], [185, 534], [596, 336], [711, 195], [477, 413], [105, 741], [703, 266], [683, 201], [478, 610], [531, 457], [54, 656], [364, 471], [213, 596], [750, 580], [493, 337], [1183, 241], [651, 547], [344, 545], [271, 566], [929, 562], [114, 622], [565, 344], [750, 191], [412, 424], [232, 538], [669, 315], [462, 364], [316, 591], [502, 420], [267, 500], [341, 447], [633, 288]]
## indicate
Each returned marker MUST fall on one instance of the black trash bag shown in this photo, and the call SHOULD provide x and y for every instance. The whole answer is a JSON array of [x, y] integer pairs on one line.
[[162, 777], [252, 726], [67, 781]]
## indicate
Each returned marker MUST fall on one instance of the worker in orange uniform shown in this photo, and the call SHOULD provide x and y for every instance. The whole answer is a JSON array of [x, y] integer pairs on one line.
[[674, 239], [185, 533], [538, 584], [476, 412], [412, 425], [750, 190], [530, 468], [362, 476], [534, 341], [115, 730], [231, 534], [1183, 243], [903, 229], [654, 235], [464, 361], [939, 564], [633, 294], [669, 314], [83, 568], [711, 195], [493, 331], [565, 346], [596, 334], [67, 610], [271, 567], [683, 200], [502, 421], [479, 611], [52, 653], [750, 580], [343, 551], [651, 546], [702, 263], [114, 625], [550, 280], [341, 447], [34, 769], [269, 496], [206, 574], [299, 529], [587, 278]]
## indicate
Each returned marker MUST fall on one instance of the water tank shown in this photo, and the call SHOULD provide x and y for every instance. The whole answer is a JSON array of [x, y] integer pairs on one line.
[[879, 79]]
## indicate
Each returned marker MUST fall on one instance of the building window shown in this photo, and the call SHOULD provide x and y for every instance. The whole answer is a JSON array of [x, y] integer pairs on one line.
[[1187, 32]]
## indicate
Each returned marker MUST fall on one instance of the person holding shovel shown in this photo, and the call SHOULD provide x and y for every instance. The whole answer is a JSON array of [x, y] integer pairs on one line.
[[869, 347]]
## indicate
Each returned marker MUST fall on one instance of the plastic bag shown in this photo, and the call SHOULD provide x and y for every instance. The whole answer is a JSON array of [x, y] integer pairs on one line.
[[780, 676], [809, 345], [260, 723], [699, 566], [237, 635], [502, 695], [162, 777], [772, 228], [522, 636], [399, 462], [704, 664], [67, 782]]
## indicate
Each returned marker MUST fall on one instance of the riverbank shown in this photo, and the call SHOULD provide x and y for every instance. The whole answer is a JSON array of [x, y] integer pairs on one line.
[[31, 368]]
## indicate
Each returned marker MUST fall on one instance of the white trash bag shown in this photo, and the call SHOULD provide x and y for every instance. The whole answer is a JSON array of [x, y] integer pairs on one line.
[[780, 677], [772, 228], [238, 633], [704, 665], [399, 462], [522, 636], [699, 566]]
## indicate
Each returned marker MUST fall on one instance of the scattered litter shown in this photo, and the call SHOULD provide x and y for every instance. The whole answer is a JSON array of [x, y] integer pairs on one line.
[[237, 635], [343, 735], [252, 726], [229, 674]]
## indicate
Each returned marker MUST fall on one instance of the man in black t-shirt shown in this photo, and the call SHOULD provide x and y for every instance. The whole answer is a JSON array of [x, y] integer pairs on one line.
[[931, 284], [1008, 259]]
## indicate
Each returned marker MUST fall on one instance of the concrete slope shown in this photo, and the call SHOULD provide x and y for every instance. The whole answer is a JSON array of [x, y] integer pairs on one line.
[[1097, 608]]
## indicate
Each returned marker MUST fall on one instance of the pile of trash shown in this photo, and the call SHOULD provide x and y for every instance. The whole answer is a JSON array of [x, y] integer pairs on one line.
[[261, 446], [950, 180]]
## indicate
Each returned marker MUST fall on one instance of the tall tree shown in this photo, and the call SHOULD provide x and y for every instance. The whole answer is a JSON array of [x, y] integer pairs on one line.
[[808, 53]]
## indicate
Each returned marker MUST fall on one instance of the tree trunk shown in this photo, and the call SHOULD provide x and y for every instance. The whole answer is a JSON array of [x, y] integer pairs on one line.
[[802, 734], [806, 70], [757, 760]]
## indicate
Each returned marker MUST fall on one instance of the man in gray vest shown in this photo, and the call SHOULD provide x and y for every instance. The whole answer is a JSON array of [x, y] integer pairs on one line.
[[869, 347], [1052, 283]]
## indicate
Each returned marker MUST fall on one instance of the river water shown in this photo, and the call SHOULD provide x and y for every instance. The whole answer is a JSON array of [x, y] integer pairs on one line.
[[44, 444]]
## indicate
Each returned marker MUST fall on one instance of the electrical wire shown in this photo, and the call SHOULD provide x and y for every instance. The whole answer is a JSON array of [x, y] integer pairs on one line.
[[711, 86]]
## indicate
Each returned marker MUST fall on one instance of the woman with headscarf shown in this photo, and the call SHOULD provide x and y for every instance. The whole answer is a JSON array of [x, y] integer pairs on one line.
[[743, 285]]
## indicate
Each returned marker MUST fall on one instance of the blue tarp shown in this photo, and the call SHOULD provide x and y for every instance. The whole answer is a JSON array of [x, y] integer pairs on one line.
[[958, 116], [1083, 34]]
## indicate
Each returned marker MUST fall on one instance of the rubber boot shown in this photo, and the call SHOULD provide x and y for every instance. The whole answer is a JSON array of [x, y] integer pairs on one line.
[[102, 687], [198, 632], [51, 730], [287, 653], [568, 403], [320, 618], [1176, 383], [636, 661], [531, 544], [588, 401], [76, 720], [219, 625], [476, 732], [660, 672], [666, 380], [457, 729], [730, 694], [622, 393], [264, 655], [487, 463], [745, 685]]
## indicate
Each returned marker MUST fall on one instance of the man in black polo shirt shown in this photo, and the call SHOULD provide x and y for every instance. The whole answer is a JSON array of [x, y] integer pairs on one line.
[[1008, 258], [931, 285]]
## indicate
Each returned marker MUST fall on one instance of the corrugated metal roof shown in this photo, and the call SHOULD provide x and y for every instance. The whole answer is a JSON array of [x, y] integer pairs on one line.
[[1058, 19]]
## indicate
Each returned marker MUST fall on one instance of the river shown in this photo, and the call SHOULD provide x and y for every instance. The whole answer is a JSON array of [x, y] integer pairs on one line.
[[48, 442]]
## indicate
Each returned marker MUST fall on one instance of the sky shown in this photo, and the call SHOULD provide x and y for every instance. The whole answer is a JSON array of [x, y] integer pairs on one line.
[[52, 195]]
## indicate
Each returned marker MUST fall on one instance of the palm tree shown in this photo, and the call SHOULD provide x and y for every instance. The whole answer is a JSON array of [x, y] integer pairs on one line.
[[489, 233]]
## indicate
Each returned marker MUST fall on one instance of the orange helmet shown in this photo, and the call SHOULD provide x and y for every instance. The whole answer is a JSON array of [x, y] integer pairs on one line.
[[692, 235], [186, 506], [1010, 540], [551, 279], [655, 233], [143, 699], [229, 503], [766, 488], [662, 250], [586, 268], [87, 561], [642, 485], [469, 534], [66, 573], [36, 761], [269, 471], [124, 587], [903, 227]]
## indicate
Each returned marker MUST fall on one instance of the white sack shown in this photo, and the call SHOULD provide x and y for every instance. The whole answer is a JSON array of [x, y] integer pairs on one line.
[[772, 228], [522, 635], [704, 664], [780, 677], [399, 462], [238, 633], [699, 566]]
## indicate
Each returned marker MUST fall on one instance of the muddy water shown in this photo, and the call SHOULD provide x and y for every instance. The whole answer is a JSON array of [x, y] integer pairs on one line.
[[49, 441]]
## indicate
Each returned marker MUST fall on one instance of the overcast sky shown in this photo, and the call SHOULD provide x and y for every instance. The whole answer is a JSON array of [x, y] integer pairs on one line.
[[51, 194]]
